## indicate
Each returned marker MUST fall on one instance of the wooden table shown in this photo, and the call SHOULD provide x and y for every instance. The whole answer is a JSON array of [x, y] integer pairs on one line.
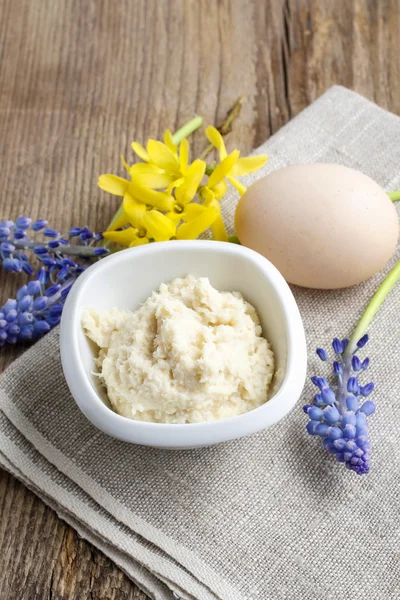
[[79, 80]]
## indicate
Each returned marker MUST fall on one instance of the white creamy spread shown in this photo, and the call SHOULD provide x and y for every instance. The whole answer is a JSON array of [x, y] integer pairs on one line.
[[189, 354]]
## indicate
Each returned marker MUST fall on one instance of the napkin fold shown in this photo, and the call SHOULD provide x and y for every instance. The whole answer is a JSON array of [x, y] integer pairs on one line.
[[266, 517]]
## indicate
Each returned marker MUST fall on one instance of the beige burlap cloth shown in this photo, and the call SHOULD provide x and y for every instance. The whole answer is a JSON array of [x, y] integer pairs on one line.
[[267, 517]]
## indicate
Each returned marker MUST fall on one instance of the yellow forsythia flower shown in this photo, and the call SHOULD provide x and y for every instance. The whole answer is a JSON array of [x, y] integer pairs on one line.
[[159, 200], [121, 187], [164, 164], [196, 218], [231, 166], [144, 225]]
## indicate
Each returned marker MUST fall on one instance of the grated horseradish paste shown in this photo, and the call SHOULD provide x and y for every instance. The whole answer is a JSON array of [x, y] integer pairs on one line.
[[188, 354]]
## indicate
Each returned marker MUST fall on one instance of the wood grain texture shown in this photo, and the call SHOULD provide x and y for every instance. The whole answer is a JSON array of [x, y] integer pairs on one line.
[[79, 79]]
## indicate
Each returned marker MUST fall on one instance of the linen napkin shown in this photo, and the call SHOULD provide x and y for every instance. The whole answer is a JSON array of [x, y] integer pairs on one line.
[[266, 517]]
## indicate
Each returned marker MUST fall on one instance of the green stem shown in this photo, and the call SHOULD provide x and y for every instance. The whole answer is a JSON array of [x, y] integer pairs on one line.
[[233, 239], [394, 196], [187, 129], [373, 307], [116, 216]]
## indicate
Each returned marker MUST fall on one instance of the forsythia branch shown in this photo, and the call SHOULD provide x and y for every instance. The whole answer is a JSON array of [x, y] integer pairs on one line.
[[226, 125]]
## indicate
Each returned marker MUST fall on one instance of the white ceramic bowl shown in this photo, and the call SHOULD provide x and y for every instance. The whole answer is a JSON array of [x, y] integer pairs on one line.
[[126, 279]]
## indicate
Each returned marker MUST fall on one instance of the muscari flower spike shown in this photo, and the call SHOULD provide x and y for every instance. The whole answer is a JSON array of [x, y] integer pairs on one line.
[[338, 413], [339, 416], [38, 305]]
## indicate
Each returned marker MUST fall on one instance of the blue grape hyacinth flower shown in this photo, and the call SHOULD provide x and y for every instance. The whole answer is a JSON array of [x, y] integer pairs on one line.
[[38, 305], [338, 414]]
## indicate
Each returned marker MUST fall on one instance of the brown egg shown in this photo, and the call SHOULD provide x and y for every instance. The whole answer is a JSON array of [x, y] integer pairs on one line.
[[323, 226]]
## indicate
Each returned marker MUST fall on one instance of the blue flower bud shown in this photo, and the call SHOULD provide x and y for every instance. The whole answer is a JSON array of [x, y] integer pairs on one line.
[[53, 289], [361, 419], [321, 429], [25, 303], [3, 323], [353, 386], [51, 233], [39, 224], [345, 343], [11, 339], [25, 318], [12, 265], [349, 432], [337, 368], [22, 292], [362, 431], [53, 321], [98, 236], [362, 441], [68, 262], [23, 222], [320, 382], [74, 231], [328, 395], [56, 310], [41, 327], [318, 401], [103, 251], [3, 335], [27, 268], [340, 444], [33, 288], [305, 407], [11, 316], [349, 418], [368, 408], [315, 413], [7, 247], [328, 445], [356, 363], [40, 303], [13, 329], [367, 389], [42, 276], [86, 235], [351, 446], [321, 353], [311, 427], [352, 403], [361, 342], [19, 234], [331, 415], [334, 433], [53, 244], [365, 364], [64, 293], [337, 346], [48, 261], [11, 304], [5, 232], [26, 332], [63, 273], [38, 250]]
